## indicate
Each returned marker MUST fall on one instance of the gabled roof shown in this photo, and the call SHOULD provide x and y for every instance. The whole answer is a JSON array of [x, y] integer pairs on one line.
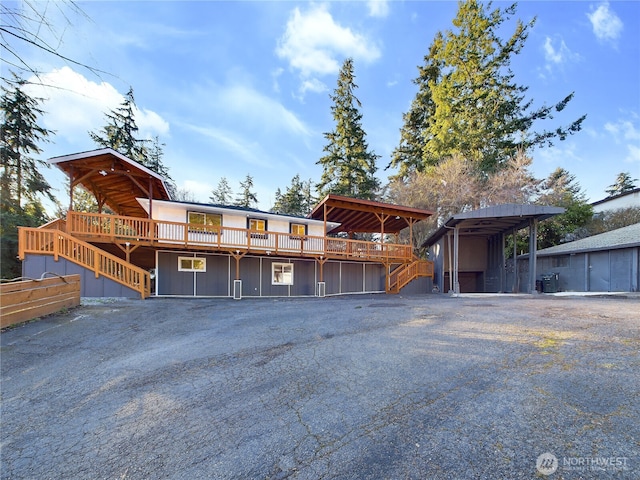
[[113, 179], [366, 216], [625, 237], [489, 221]]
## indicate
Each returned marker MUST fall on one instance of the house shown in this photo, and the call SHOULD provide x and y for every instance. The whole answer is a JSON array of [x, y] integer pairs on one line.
[[468, 250], [152, 245], [627, 199], [608, 262]]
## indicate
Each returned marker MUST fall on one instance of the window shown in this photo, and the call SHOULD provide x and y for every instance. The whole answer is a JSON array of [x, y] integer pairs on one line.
[[560, 261], [282, 274], [259, 225], [207, 220], [192, 264], [298, 230]]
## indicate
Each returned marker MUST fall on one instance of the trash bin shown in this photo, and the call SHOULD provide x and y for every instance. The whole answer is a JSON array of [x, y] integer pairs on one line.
[[550, 282]]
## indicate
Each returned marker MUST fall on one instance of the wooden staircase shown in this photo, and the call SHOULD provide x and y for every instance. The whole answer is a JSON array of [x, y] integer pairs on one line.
[[406, 273], [53, 241]]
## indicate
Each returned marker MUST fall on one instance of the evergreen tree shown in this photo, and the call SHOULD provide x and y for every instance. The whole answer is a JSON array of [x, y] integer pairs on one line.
[[21, 183], [121, 130], [297, 200], [348, 167], [222, 194], [623, 183], [468, 101], [246, 197], [120, 135], [155, 155], [561, 189], [20, 134]]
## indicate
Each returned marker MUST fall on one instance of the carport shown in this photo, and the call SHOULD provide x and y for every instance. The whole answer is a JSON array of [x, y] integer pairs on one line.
[[469, 248]]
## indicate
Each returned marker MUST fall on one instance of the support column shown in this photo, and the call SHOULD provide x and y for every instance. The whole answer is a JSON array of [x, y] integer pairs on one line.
[[456, 249], [533, 250]]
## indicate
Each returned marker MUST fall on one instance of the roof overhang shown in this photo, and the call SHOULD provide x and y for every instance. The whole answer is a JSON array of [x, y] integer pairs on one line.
[[114, 179], [495, 220], [366, 216]]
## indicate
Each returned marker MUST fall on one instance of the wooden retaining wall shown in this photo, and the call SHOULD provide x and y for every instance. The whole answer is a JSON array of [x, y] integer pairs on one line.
[[29, 299]]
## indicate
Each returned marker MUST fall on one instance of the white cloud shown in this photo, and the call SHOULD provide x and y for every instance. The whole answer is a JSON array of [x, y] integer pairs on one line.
[[234, 144], [256, 108], [606, 24], [623, 129], [378, 8], [313, 85], [314, 43], [557, 53], [628, 133], [75, 105]]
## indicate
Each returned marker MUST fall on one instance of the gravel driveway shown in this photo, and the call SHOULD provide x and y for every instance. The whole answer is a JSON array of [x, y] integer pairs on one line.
[[360, 387]]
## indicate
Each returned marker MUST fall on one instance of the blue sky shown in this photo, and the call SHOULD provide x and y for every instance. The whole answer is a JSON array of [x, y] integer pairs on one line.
[[237, 88]]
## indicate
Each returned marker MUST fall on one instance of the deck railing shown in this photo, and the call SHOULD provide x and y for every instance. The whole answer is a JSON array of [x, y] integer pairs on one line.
[[60, 244], [113, 228]]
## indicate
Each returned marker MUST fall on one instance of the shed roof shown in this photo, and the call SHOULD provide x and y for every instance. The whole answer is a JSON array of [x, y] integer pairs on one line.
[[113, 179], [366, 216], [489, 221], [624, 237]]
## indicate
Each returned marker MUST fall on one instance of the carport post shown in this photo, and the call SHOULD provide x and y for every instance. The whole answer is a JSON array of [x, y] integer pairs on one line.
[[456, 247], [533, 245]]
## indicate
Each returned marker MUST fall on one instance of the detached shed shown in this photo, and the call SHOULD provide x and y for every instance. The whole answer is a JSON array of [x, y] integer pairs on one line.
[[608, 262], [468, 250]]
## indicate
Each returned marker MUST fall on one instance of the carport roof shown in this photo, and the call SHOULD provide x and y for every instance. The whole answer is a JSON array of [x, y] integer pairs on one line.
[[489, 221], [366, 216]]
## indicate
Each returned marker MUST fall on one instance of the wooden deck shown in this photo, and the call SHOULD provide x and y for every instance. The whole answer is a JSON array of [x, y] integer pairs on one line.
[[134, 231]]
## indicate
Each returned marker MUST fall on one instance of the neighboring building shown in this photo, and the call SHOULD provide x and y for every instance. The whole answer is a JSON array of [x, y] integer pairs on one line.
[[608, 262], [624, 200], [156, 246]]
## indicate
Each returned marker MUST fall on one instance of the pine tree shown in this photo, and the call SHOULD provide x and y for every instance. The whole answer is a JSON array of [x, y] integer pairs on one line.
[[561, 189], [21, 183], [120, 135], [246, 197], [121, 130], [348, 167], [222, 194], [468, 101], [623, 183], [297, 200], [20, 134]]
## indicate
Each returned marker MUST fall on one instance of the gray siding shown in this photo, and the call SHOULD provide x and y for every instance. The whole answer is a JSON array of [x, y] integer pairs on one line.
[[614, 270], [256, 276], [33, 266]]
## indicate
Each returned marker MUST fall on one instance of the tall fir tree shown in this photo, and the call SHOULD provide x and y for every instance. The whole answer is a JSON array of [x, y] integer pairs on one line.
[[349, 167], [222, 194], [121, 130], [623, 183], [120, 134], [246, 197], [20, 135], [297, 199], [468, 101], [21, 184]]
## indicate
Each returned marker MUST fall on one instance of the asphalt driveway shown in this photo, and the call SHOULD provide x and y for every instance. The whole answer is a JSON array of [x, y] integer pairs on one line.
[[359, 387]]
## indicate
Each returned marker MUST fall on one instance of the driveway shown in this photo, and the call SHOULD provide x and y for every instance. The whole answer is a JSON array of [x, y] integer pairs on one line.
[[359, 387]]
